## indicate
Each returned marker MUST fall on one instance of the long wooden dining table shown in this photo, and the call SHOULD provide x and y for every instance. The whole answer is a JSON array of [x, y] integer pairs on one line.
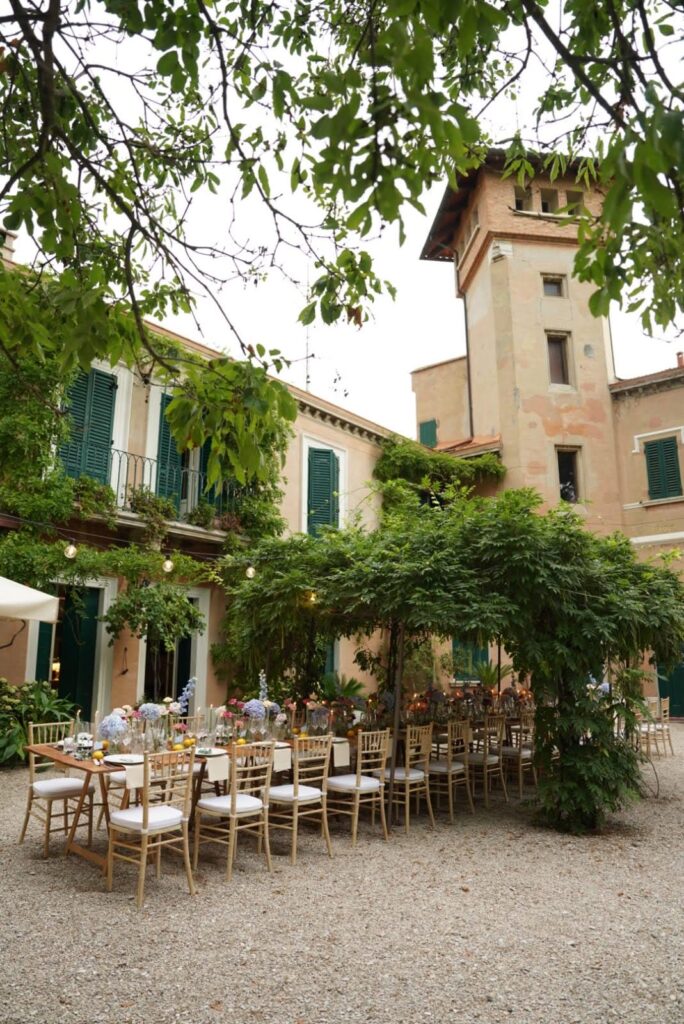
[[99, 770]]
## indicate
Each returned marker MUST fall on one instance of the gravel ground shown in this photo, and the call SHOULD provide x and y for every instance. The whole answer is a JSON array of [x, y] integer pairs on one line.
[[489, 920]]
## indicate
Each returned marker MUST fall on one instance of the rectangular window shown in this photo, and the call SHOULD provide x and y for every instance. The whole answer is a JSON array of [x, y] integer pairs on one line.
[[523, 198], [558, 358], [91, 401], [574, 202], [427, 433], [549, 200], [568, 479], [662, 468], [553, 285], [467, 656]]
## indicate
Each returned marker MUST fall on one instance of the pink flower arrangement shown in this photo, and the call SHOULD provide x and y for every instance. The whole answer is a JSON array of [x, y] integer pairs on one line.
[[226, 714], [180, 727]]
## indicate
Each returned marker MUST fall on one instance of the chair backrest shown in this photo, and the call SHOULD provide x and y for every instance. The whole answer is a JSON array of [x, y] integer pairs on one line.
[[190, 724], [522, 730], [250, 771], [457, 746], [47, 732], [664, 709], [168, 779], [372, 753], [311, 761], [492, 734], [418, 746]]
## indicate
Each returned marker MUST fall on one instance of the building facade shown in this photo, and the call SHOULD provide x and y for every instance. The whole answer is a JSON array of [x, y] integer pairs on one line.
[[120, 437], [537, 383]]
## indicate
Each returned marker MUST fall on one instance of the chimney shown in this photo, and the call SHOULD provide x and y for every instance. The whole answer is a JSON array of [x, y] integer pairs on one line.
[[7, 244], [680, 360]]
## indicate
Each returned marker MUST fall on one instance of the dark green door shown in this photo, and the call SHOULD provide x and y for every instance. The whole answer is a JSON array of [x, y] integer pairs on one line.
[[672, 686], [44, 652], [467, 657], [77, 648]]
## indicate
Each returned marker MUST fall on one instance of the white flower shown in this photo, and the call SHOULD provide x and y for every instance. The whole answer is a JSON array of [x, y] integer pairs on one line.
[[127, 709], [174, 708], [267, 703], [163, 709], [167, 700], [119, 711]]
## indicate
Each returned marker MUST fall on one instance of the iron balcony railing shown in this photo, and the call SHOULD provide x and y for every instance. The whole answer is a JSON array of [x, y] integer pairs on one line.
[[183, 484]]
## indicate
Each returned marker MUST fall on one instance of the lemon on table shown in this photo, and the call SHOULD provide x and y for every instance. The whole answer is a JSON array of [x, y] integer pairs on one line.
[[187, 742], [241, 741], [177, 746], [98, 755], [105, 744]]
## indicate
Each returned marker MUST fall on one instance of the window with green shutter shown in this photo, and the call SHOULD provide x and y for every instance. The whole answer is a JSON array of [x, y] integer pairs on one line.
[[169, 461], [427, 433], [323, 505], [662, 468], [91, 401], [467, 657]]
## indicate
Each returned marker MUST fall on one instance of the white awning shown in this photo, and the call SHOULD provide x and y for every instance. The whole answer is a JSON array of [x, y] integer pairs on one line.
[[20, 602]]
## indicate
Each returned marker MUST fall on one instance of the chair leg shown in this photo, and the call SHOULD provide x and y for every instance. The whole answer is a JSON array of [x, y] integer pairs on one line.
[[520, 778], [232, 829], [429, 802], [141, 872], [451, 800], [326, 832], [90, 820], [469, 792], [157, 862], [186, 858], [503, 782], [383, 818], [267, 842], [48, 822], [196, 840], [29, 802], [407, 808], [110, 860], [295, 824], [65, 816], [355, 817], [669, 740], [485, 784]]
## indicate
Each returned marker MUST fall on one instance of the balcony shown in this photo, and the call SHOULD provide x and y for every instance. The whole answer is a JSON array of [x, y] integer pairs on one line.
[[178, 481]]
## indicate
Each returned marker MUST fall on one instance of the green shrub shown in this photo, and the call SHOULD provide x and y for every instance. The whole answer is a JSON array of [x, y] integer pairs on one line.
[[19, 705]]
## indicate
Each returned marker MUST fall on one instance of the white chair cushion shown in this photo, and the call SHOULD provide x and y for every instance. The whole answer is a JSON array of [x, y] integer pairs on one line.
[[400, 775], [244, 804], [285, 794], [55, 788], [443, 768], [161, 817], [525, 754], [117, 779], [478, 758], [347, 783]]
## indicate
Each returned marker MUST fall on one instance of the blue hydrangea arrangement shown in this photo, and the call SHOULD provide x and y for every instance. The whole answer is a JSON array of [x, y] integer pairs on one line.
[[111, 727], [150, 712]]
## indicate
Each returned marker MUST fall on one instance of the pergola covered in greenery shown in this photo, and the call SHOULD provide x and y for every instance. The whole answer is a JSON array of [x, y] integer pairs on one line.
[[564, 602]]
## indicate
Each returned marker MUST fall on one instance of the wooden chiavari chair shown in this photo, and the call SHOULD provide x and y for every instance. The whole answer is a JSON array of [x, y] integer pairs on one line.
[[306, 797], [449, 765], [365, 787]]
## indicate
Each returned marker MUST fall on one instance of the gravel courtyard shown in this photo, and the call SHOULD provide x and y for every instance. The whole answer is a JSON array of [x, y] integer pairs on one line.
[[490, 920]]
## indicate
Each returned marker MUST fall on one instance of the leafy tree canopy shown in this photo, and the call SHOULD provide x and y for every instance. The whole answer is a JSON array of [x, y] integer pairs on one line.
[[354, 107]]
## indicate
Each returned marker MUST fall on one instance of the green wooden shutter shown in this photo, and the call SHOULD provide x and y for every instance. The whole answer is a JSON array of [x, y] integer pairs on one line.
[[662, 468], [78, 647], [97, 448], [211, 495], [169, 468], [427, 433], [323, 507], [91, 412], [43, 669], [71, 453], [468, 656]]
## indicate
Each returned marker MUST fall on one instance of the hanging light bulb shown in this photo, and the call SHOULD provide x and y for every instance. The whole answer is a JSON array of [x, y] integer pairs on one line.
[[70, 551], [250, 572], [167, 564]]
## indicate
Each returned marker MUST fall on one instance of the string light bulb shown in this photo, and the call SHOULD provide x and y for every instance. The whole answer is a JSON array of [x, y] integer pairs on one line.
[[167, 565], [250, 572], [70, 551]]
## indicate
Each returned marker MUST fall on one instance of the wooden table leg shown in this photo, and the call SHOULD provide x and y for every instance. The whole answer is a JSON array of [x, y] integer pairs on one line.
[[77, 812]]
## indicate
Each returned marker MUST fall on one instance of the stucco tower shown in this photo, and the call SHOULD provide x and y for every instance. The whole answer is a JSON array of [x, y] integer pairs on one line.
[[534, 382]]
